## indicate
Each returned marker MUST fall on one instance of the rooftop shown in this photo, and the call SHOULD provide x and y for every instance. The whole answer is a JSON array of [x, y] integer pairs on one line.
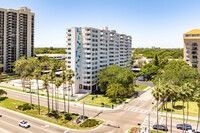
[[195, 31]]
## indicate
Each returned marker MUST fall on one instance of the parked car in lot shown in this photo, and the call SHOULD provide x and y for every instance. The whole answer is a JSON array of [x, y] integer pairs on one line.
[[24, 124], [184, 126], [160, 127]]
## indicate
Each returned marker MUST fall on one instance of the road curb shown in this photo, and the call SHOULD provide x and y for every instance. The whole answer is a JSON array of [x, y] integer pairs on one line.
[[65, 128]]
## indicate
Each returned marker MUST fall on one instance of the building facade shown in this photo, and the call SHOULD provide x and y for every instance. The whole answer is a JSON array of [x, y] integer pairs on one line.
[[90, 49], [191, 46], [16, 35]]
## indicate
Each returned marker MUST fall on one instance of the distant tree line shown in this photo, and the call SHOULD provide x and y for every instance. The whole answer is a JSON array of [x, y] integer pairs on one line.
[[50, 50], [170, 53]]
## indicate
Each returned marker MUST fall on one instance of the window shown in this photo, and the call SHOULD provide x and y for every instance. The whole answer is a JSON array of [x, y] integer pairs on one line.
[[194, 44]]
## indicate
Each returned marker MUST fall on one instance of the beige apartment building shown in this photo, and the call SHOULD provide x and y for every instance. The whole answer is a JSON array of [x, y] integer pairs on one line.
[[191, 46], [16, 35]]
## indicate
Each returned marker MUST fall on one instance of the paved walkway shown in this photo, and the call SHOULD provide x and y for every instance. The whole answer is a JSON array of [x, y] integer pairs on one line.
[[178, 116]]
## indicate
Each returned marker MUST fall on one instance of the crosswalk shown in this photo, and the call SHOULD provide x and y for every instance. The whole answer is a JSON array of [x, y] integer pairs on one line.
[[135, 109], [146, 122]]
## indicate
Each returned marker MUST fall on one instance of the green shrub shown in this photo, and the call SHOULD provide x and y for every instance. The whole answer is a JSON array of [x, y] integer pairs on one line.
[[75, 114], [69, 118], [85, 117], [89, 123], [25, 106]]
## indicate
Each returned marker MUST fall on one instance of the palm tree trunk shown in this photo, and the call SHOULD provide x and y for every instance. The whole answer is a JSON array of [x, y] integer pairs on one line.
[[171, 114], [187, 112], [52, 95], [38, 97], [157, 113], [64, 99], [48, 100], [68, 102], [166, 115], [183, 118], [30, 93], [198, 117], [56, 100]]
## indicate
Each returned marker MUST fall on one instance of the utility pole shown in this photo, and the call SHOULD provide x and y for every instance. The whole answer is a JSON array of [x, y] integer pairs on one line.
[[83, 110]]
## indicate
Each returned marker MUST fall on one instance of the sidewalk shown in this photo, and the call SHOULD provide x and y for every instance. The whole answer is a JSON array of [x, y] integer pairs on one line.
[[75, 103], [178, 116]]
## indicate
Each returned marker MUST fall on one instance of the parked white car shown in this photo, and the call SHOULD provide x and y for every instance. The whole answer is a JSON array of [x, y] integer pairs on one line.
[[24, 124]]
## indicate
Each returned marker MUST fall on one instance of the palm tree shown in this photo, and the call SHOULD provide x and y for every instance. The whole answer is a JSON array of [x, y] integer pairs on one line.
[[57, 83], [45, 78], [64, 77], [156, 92], [128, 64], [53, 67], [37, 74], [19, 67], [166, 93], [52, 76], [189, 89], [197, 99], [184, 93], [70, 75]]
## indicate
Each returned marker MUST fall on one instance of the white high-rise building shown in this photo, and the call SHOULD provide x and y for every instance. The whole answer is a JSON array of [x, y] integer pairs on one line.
[[90, 49], [16, 35]]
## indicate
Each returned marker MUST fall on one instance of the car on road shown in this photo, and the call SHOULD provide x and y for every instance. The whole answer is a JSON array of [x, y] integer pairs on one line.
[[160, 127], [184, 126], [0, 115], [24, 124]]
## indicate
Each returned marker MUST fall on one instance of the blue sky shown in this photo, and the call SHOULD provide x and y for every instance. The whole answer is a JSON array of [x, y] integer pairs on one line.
[[159, 23]]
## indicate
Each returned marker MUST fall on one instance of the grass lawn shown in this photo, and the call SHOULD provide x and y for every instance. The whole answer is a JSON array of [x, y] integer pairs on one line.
[[100, 99], [12, 103], [140, 87], [136, 129], [178, 109]]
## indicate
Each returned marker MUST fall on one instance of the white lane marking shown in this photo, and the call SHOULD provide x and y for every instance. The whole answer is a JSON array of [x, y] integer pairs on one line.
[[161, 121], [15, 126], [4, 131], [125, 108], [66, 130], [132, 109], [31, 124]]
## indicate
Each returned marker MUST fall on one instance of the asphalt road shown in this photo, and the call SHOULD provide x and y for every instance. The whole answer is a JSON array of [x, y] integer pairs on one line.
[[115, 121], [9, 123]]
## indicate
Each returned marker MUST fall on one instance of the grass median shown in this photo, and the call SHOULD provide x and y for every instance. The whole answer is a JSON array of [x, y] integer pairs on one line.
[[178, 108], [61, 120]]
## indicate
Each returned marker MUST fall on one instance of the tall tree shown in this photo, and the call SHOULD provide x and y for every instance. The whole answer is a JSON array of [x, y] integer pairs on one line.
[[70, 75], [52, 76], [155, 60], [115, 90], [19, 68], [156, 92], [57, 83], [184, 93], [45, 79], [197, 99], [64, 78], [37, 74]]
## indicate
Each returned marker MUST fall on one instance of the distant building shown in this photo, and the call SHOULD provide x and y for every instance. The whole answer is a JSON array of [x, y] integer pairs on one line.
[[16, 35], [89, 50], [191, 47], [55, 56]]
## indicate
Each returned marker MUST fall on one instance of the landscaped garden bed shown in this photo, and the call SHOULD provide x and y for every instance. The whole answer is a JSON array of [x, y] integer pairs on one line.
[[72, 121]]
